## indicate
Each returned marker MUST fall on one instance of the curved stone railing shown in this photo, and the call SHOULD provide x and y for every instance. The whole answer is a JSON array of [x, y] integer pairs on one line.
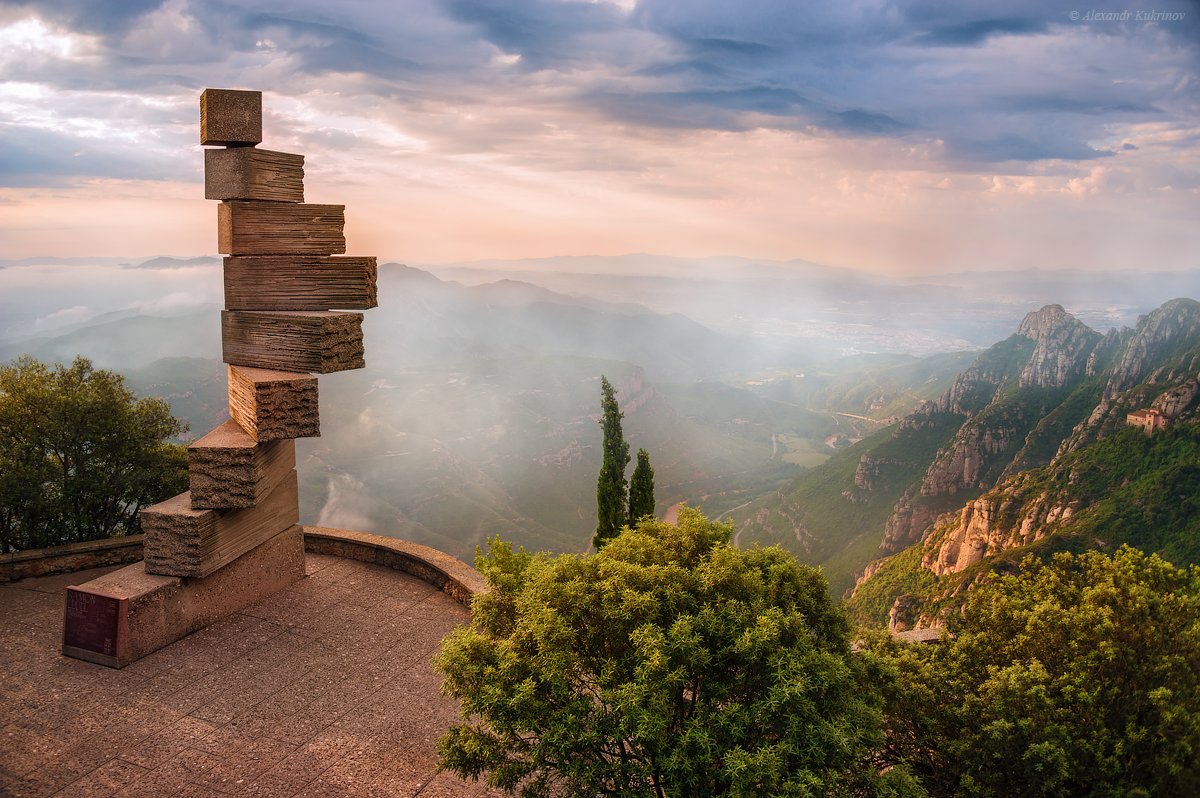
[[70, 558], [449, 574]]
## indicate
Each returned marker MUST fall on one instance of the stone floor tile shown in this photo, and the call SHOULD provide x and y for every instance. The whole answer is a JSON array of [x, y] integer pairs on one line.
[[326, 689], [104, 781]]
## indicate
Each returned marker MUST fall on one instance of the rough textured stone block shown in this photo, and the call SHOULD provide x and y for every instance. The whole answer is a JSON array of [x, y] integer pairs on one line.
[[181, 541], [270, 405], [229, 117], [227, 469], [249, 173], [318, 341], [280, 228], [146, 612], [300, 283]]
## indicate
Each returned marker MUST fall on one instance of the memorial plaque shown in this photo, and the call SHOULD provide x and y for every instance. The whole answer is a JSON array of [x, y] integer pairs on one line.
[[92, 623]]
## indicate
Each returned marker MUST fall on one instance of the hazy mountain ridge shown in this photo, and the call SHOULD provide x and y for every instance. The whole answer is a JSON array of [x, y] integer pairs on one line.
[[1023, 404], [921, 314], [128, 340], [435, 321], [474, 414], [1107, 483]]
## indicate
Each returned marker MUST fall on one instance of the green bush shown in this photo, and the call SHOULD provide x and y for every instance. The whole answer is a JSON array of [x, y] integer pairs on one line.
[[79, 455], [1078, 677], [668, 663]]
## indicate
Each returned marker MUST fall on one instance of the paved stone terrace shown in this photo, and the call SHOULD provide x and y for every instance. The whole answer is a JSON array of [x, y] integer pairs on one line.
[[325, 690]]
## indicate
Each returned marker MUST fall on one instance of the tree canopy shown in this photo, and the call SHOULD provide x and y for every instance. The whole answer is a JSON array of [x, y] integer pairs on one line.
[[79, 454], [641, 489], [669, 663], [612, 488], [1079, 676]]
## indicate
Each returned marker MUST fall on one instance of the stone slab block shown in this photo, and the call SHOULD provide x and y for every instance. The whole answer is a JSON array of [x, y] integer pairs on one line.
[[319, 341], [230, 117], [181, 541], [298, 282], [248, 173], [124, 615], [228, 469], [280, 228], [270, 405]]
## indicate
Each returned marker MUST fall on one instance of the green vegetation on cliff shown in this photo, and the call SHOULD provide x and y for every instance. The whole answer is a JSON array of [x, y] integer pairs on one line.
[[826, 519], [1129, 488], [1006, 463]]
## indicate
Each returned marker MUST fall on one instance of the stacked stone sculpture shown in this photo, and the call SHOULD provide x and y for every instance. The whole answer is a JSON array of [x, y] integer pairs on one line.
[[233, 538], [282, 286]]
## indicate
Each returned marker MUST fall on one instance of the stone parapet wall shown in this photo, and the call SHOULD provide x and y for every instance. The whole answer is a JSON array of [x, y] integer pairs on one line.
[[70, 558], [449, 574]]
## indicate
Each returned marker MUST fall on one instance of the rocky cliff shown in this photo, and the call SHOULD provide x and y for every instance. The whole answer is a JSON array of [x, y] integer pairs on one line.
[[993, 523], [1154, 358], [933, 479], [1001, 398], [907, 524], [1103, 484], [1159, 335], [1062, 348]]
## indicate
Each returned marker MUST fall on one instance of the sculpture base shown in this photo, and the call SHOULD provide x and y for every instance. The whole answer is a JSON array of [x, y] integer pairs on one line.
[[124, 615]]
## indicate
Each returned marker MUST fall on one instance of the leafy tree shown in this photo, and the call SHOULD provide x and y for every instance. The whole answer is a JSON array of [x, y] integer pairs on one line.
[[79, 455], [641, 489], [669, 663], [1078, 677], [611, 487]]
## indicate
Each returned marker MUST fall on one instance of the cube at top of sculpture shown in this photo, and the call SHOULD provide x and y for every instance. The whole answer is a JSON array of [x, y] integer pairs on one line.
[[230, 118]]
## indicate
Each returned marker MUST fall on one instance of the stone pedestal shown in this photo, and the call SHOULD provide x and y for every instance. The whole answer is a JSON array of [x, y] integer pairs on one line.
[[127, 614]]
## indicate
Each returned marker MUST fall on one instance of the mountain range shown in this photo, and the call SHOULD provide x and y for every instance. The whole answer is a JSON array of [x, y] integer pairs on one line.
[[1028, 449], [786, 396]]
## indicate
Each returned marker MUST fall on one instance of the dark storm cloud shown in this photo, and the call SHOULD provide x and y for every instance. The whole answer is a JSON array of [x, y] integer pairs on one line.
[[1015, 147], [37, 157], [967, 23], [976, 31], [104, 17], [923, 70], [863, 122], [320, 44], [546, 33], [995, 82]]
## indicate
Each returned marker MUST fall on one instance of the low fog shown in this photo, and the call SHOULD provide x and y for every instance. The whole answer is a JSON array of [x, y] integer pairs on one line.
[[476, 414]]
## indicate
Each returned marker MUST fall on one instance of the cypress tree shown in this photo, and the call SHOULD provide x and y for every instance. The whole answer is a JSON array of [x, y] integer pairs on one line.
[[641, 489], [611, 487]]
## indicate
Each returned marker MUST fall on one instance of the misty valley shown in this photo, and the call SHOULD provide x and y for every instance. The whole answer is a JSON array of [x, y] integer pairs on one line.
[[758, 388]]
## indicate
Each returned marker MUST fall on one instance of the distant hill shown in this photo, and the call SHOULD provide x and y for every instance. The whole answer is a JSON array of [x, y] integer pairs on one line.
[[838, 310], [1025, 415], [176, 263], [127, 340], [430, 321], [474, 415]]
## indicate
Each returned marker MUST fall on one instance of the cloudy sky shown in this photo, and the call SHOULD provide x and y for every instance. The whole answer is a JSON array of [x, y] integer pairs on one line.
[[900, 137]]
